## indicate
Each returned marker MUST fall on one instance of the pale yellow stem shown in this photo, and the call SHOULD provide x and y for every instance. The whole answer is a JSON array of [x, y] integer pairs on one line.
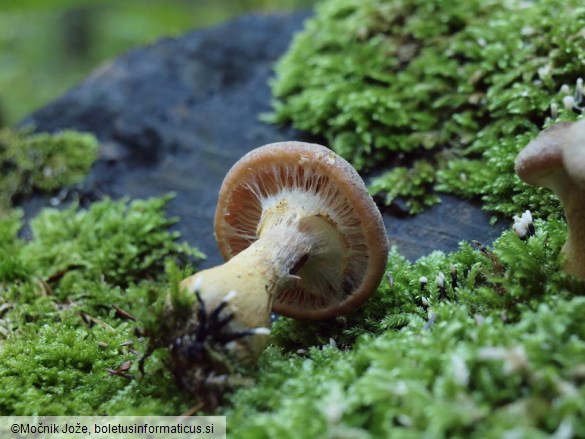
[[255, 275]]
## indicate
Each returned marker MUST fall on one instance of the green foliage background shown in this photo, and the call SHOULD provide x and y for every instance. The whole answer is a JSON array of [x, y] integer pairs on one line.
[[497, 351], [47, 46]]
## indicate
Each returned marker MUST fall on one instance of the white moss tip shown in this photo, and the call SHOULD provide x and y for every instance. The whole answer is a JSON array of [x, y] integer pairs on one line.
[[554, 109], [569, 102], [522, 224]]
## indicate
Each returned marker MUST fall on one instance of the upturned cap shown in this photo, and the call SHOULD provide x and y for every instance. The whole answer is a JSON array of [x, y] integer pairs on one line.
[[296, 179]]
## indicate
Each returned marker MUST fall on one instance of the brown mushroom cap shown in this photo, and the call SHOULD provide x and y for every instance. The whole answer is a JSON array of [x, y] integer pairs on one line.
[[542, 158], [574, 153], [290, 181]]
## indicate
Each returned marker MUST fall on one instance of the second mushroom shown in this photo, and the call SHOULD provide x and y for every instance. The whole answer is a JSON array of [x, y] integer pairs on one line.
[[301, 236], [556, 160]]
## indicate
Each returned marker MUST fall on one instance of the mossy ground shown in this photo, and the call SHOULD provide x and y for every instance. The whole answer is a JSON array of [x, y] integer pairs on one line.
[[66, 294], [498, 352], [64, 305], [504, 338], [41, 162]]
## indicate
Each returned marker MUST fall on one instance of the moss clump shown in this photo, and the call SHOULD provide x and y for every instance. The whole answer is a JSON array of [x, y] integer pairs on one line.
[[465, 377], [414, 185], [466, 84], [61, 296], [118, 241], [11, 267], [42, 162], [499, 351]]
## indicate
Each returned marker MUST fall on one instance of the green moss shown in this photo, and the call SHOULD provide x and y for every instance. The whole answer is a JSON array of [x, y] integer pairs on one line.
[[466, 83], [60, 328], [11, 266], [414, 184], [465, 377], [119, 241], [502, 352], [42, 162]]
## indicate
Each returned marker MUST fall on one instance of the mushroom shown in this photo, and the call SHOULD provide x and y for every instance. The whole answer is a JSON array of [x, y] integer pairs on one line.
[[556, 160], [301, 236]]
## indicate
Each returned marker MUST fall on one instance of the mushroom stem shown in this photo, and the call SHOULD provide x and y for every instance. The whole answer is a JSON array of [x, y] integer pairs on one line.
[[573, 200], [258, 273]]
